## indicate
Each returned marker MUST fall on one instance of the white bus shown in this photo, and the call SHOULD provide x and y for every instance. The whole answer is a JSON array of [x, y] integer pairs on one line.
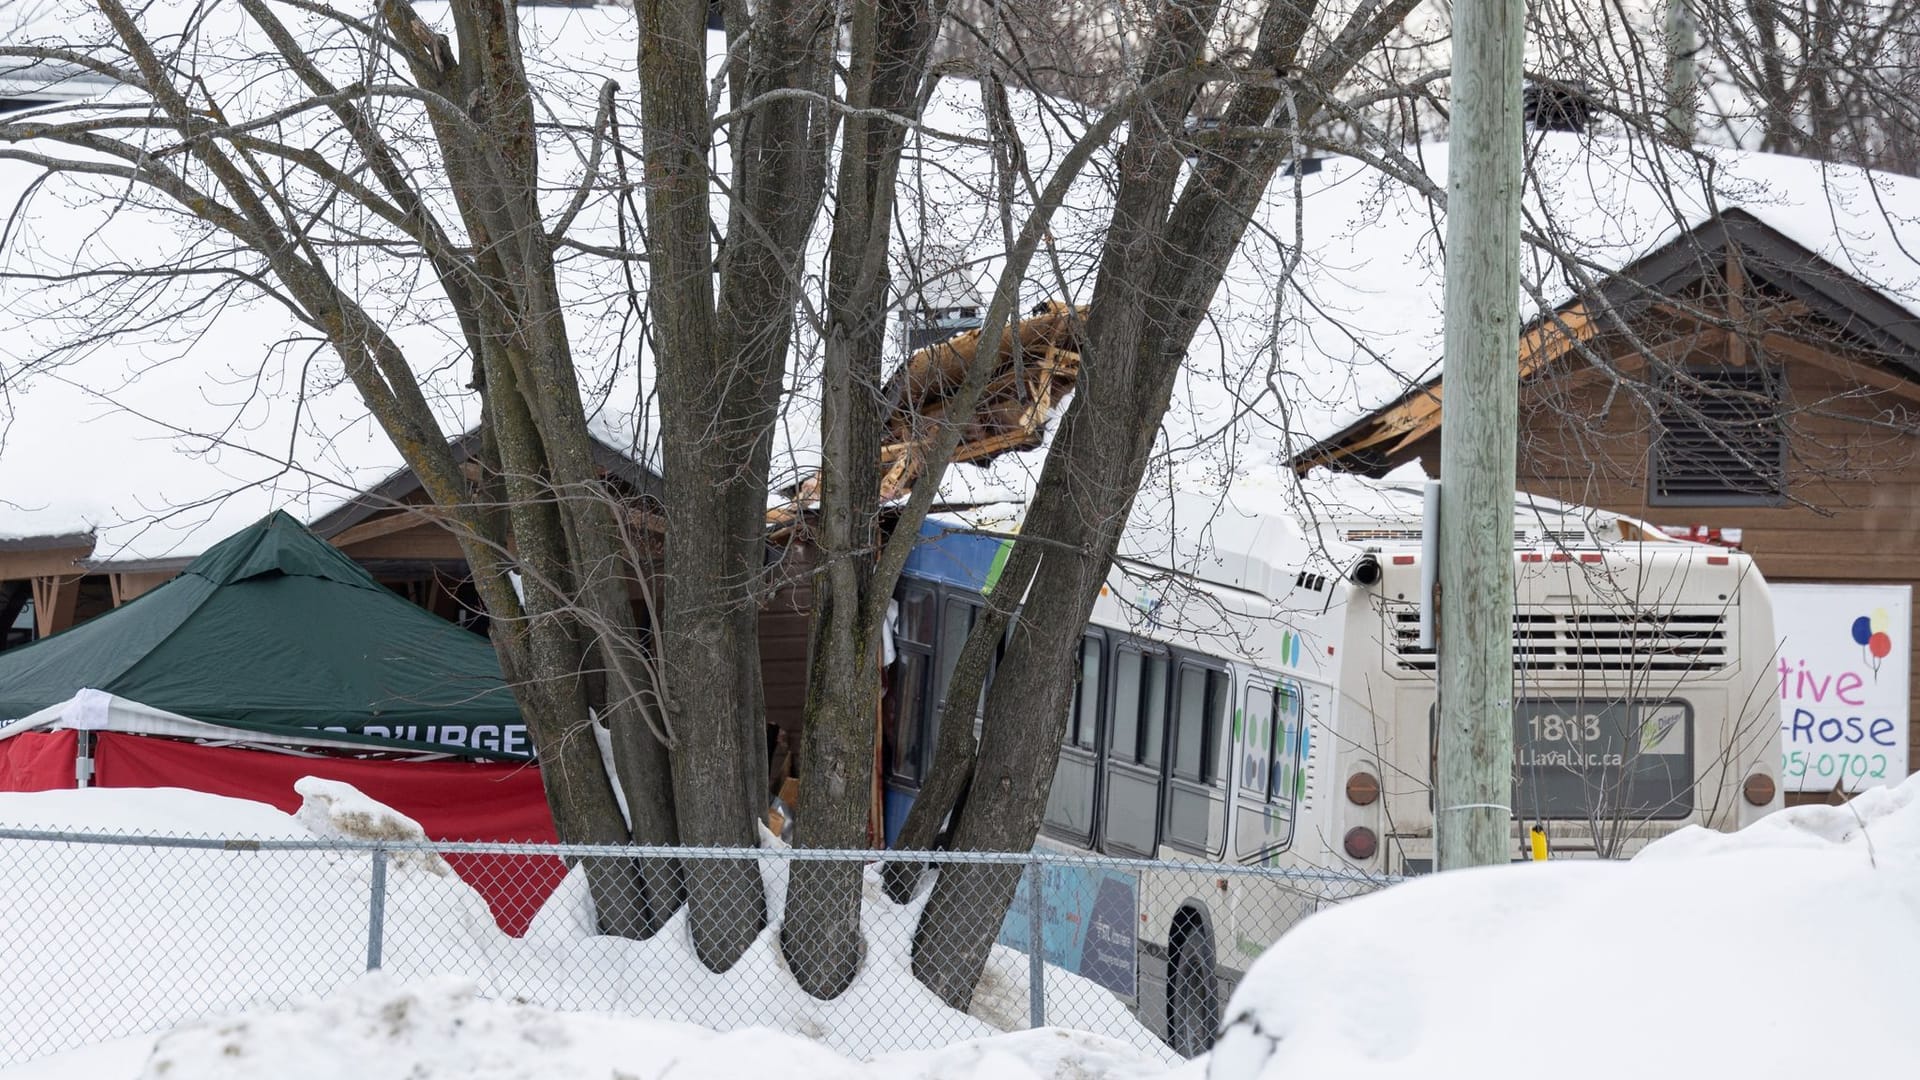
[[1251, 690]]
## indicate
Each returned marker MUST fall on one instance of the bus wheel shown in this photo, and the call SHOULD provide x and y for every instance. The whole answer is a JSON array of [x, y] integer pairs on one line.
[[1193, 1005]]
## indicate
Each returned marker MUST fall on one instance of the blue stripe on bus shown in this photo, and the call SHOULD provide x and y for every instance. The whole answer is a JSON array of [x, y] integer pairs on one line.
[[960, 559]]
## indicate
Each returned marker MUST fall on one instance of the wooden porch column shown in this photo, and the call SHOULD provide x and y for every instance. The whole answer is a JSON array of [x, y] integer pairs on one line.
[[54, 599], [130, 587]]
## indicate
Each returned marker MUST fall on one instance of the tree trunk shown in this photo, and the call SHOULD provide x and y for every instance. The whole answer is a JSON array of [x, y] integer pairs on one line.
[[565, 532], [821, 936], [779, 179], [696, 647]]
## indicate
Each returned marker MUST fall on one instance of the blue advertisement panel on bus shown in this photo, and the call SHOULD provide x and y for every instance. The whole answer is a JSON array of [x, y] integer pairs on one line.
[[1089, 919]]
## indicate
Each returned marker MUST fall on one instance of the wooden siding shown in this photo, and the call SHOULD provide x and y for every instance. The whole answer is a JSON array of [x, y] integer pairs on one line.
[[785, 623]]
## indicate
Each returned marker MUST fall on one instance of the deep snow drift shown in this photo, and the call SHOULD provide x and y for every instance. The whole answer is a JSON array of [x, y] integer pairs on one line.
[[1786, 950]]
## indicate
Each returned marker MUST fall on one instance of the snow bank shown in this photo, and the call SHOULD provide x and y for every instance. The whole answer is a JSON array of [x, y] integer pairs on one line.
[[107, 941], [385, 1029], [1883, 819], [1694, 958], [560, 963], [151, 811]]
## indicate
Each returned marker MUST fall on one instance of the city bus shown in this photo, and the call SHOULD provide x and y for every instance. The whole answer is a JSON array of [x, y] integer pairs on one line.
[[1251, 689]]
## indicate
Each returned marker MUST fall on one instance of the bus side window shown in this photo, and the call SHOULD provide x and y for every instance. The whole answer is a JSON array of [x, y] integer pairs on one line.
[[1083, 724], [1153, 720], [955, 622], [1219, 727], [1191, 737], [907, 714], [1256, 758], [1288, 775], [916, 616], [1123, 738]]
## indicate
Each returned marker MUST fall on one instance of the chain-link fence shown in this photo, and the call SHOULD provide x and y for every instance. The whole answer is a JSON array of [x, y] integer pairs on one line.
[[112, 935]]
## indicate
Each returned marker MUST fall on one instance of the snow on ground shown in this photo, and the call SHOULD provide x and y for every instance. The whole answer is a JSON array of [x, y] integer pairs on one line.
[[107, 941], [1786, 950], [383, 1028], [1775, 952]]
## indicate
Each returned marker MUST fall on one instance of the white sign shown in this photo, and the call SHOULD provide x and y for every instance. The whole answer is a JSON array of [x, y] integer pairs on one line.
[[1843, 668]]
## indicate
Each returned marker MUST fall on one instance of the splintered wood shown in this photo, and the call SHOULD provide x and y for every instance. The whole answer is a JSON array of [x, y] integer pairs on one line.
[[1038, 365]]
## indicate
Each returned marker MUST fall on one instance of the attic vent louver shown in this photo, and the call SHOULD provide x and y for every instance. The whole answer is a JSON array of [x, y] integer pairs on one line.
[[1722, 441]]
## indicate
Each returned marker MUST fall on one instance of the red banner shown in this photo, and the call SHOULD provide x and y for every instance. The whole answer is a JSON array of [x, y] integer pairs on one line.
[[451, 801], [38, 761]]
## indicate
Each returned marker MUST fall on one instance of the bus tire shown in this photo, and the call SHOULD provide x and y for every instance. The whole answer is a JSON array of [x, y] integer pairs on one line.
[[1193, 1004]]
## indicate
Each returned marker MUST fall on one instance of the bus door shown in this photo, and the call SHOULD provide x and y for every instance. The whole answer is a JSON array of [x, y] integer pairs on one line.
[[1273, 744], [1196, 799], [1132, 778], [1076, 779], [904, 709]]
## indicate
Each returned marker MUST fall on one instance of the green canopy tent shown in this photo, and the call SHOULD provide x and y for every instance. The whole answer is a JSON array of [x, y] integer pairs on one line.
[[273, 631]]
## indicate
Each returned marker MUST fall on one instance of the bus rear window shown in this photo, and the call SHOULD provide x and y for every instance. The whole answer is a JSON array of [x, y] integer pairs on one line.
[[1588, 759]]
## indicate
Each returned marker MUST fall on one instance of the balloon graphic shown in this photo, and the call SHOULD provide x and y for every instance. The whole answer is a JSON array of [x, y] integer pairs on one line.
[[1879, 619], [1862, 630], [1879, 645]]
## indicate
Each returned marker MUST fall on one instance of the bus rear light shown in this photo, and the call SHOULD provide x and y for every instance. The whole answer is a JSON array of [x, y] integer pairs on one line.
[[1362, 789], [1561, 556], [1717, 560], [1595, 557], [1361, 843], [1532, 556], [1758, 789], [1403, 560]]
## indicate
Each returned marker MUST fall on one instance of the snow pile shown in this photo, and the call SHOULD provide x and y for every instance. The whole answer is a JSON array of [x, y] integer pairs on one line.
[[560, 963], [104, 941], [151, 811], [107, 941], [384, 1029], [1883, 821], [330, 808], [1685, 959]]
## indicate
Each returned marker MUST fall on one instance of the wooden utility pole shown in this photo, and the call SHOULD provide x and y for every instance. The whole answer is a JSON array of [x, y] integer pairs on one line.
[[1477, 442]]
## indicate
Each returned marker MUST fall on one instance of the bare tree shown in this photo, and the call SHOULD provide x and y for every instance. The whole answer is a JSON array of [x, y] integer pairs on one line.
[[1165, 253], [316, 163], [1837, 80], [284, 194]]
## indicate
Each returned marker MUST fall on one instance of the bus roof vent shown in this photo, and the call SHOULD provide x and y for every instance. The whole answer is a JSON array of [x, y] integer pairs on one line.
[[1567, 538], [1598, 640]]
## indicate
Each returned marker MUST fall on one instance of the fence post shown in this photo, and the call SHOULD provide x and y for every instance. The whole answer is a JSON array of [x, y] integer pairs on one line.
[[1036, 953], [377, 910]]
